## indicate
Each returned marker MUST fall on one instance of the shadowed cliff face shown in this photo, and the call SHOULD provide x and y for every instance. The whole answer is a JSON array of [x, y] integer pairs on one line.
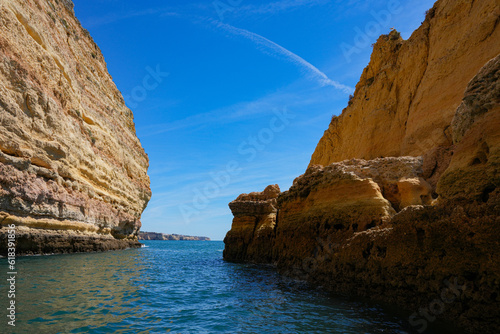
[[418, 231], [71, 165], [253, 228]]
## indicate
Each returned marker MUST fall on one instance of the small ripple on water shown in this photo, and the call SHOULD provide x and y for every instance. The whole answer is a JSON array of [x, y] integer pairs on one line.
[[182, 287]]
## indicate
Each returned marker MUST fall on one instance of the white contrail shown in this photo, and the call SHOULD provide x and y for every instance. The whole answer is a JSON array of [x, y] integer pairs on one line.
[[290, 56], [279, 6]]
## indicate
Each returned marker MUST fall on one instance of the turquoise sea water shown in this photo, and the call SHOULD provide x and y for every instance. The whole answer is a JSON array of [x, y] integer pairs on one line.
[[177, 287]]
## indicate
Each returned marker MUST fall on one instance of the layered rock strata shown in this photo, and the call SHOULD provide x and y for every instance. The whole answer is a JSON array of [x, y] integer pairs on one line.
[[340, 199], [253, 226], [419, 231], [72, 170]]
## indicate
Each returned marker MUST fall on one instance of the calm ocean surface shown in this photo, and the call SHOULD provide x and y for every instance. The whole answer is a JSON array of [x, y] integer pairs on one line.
[[177, 287]]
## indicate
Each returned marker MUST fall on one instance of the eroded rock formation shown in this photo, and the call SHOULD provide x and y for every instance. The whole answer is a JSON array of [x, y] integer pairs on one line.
[[72, 171], [253, 226], [407, 96], [419, 227]]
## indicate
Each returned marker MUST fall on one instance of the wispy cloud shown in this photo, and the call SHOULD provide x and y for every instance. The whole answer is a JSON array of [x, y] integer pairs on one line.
[[296, 95], [278, 50], [280, 6], [268, 45], [254, 177], [229, 114], [92, 22]]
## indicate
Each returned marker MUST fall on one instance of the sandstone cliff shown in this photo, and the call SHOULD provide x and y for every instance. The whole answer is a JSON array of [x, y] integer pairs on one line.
[[253, 226], [72, 171], [407, 95], [163, 236], [401, 201]]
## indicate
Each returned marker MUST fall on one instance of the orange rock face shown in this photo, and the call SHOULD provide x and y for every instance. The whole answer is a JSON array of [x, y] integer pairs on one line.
[[407, 95], [423, 221], [69, 156]]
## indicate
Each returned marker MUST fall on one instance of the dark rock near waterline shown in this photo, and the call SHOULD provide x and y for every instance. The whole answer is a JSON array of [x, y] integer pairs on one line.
[[39, 241]]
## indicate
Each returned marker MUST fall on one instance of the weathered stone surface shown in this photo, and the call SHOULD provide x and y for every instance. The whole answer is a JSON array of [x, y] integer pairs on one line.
[[253, 226], [482, 94], [69, 155], [256, 203], [31, 241], [388, 173], [474, 170], [412, 262], [374, 228], [407, 95], [414, 191], [330, 201], [436, 161], [342, 198]]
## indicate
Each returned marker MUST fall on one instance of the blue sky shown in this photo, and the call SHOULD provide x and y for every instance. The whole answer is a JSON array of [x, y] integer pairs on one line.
[[230, 96]]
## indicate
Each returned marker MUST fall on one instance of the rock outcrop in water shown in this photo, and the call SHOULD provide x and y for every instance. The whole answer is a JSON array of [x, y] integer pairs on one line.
[[419, 227], [73, 174], [163, 236], [253, 226]]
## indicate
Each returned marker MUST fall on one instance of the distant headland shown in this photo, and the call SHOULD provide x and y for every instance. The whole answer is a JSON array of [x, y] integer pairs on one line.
[[163, 236]]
